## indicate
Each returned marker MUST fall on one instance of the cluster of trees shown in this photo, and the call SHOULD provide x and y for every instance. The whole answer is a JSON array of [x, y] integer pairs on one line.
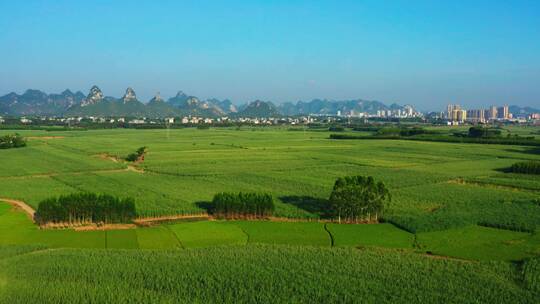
[[12, 141], [86, 207], [530, 167], [137, 156], [401, 131], [358, 198], [482, 132], [336, 129], [235, 205]]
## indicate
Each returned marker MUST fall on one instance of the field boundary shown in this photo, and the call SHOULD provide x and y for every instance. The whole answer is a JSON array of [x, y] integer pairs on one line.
[[332, 241], [461, 181], [20, 205]]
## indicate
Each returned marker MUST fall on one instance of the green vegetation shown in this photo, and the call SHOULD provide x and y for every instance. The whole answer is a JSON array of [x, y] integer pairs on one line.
[[12, 141], [530, 167], [477, 134], [531, 274], [480, 243], [206, 234], [290, 233], [450, 201], [86, 207], [267, 274], [373, 235], [137, 156], [357, 198], [483, 132], [239, 205]]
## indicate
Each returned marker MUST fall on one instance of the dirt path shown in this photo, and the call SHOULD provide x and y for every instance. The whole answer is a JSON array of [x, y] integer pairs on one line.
[[20, 205], [45, 137], [149, 221]]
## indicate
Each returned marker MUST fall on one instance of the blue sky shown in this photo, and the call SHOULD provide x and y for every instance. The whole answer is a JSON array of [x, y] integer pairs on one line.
[[427, 53]]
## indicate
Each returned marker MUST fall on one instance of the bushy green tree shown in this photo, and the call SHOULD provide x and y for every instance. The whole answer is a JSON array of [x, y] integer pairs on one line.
[[357, 198], [137, 155]]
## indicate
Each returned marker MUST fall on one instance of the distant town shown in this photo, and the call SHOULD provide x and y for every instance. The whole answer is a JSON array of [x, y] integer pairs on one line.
[[69, 108]]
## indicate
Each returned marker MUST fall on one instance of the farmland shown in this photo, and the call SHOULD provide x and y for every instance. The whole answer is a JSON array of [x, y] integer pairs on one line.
[[457, 217]]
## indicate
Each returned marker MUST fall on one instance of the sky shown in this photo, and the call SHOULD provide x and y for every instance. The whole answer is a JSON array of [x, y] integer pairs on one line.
[[426, 53]]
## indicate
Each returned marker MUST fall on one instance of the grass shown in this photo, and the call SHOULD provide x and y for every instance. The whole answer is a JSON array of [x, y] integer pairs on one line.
[[122, 239], [481, 243], [256, 273], [158, 237], [381, 235], [205, 234], [186, 166], [312, 234]]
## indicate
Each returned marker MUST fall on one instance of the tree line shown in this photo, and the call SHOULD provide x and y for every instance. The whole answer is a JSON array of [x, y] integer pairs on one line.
[[239, 205], [12, 141], [86, 207], [529, 167]]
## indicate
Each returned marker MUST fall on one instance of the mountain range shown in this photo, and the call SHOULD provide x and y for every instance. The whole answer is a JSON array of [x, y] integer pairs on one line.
[[95, 103]]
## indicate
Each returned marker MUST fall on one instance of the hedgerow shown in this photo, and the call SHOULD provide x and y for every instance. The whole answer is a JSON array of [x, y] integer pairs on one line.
[[529, 167]]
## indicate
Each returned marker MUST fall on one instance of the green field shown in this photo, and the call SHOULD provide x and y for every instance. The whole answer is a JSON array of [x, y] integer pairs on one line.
[[458, 228], [256, 273]]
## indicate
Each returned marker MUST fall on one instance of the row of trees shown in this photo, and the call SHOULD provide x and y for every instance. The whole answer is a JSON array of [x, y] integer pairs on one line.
[[358, 198], [86, 207], [12, 141], [483, 132], [235, 205], [530, 167]]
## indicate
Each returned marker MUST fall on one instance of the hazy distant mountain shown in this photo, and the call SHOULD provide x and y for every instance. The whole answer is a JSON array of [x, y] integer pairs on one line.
[[158, 108], [522, 111], [225, 105], [191, 105], [95, 104], [259, 108], [35, 102], [324, 106]]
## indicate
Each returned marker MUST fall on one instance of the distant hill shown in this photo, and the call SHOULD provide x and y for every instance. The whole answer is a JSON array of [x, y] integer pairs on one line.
[[67, 103], [97, 105], [522, 111], [35, 102], [324, 106], [259, 108]]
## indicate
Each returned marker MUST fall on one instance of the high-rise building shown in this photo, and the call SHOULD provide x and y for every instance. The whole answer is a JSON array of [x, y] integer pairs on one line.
[[450, 111], [503, 113], [476, 116], [491, 113]]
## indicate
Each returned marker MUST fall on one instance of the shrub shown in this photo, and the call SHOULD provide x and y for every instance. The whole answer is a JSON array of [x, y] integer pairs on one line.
[[12, 141], [231, 205], [138, 155], [530, 167], [86, 207]]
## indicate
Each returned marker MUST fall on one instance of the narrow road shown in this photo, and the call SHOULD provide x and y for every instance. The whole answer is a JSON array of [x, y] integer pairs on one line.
[[21, 205]]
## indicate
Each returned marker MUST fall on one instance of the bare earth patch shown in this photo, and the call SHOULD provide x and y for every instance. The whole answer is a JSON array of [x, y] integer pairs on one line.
[[44, 137]]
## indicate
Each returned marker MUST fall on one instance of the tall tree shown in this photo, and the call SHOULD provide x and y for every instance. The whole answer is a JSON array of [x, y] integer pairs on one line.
[[358, 198]]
